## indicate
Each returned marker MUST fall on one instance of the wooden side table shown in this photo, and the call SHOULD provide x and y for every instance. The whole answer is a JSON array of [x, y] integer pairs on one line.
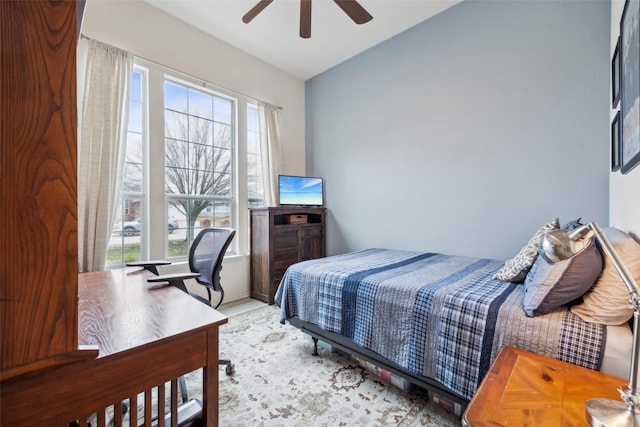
[[524, 388]]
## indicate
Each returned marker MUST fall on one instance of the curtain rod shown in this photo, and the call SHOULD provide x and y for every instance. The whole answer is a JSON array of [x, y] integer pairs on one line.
[[204, 82]]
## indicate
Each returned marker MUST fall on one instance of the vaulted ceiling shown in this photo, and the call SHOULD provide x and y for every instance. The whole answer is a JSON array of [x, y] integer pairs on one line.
[[273, 35]]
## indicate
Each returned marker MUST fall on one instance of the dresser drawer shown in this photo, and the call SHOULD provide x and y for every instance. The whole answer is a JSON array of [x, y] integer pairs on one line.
[[285, 238]]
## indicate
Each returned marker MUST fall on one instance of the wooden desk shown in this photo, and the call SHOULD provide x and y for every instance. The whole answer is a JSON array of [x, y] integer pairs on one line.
[[145, 336], [524, 388]]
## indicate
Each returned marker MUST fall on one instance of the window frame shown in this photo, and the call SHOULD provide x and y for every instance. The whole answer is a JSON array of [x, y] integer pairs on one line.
[[153, 235], [231, 198], [125, 196]]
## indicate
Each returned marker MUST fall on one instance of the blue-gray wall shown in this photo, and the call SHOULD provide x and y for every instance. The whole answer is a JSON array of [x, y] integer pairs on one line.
[[467, 132]]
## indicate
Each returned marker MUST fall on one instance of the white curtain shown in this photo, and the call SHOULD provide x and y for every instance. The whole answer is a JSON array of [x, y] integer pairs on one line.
[[103, 121], [269, 150]]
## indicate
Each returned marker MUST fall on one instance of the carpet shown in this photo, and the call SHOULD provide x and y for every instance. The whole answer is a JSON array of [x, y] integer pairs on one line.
[[277, 382]]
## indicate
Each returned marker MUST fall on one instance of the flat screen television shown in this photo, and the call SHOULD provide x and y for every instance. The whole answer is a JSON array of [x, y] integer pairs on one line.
[[300, 191]]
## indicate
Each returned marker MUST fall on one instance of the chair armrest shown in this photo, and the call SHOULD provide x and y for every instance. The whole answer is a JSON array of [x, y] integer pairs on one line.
[[173, 277], [150, 265], [176, 279]]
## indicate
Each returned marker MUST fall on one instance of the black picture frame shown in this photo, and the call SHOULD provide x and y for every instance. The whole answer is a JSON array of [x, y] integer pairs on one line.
[[630, 86], [615, 75], [615, 142]]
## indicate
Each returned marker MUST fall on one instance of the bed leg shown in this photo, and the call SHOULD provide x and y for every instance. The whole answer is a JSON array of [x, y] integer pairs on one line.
[[315, 346]]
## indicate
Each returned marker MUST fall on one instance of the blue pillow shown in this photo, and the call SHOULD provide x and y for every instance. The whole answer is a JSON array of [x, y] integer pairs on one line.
[[572, 225]]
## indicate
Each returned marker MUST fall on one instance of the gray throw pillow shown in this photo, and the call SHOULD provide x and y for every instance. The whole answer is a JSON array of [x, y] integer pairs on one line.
[[515, 269], [549, 286]]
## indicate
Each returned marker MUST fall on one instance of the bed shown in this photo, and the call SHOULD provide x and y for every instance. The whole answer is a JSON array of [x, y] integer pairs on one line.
[[437, 320]]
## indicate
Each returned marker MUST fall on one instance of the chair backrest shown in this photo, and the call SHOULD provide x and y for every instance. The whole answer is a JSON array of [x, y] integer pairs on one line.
[[207, 252]]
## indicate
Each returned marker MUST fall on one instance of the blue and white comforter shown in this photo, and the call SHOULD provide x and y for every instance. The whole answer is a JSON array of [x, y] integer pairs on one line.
[[438, 316]]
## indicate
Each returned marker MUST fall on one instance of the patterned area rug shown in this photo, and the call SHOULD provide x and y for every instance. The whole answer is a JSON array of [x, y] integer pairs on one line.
[[277, 382]]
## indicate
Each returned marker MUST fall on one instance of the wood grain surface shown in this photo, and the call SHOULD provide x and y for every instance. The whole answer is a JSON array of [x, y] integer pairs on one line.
[[524, 388], [38, 158], [146, 336]]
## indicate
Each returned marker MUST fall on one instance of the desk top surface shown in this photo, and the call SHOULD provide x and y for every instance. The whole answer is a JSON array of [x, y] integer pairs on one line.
[[119, 310]]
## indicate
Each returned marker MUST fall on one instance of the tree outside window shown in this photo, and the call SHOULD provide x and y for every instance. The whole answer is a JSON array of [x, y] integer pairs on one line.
[[199, 135]]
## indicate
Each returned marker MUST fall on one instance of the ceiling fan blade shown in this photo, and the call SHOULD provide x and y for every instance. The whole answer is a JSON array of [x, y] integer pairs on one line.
[[305, 19], [355, 11], [255, 10]]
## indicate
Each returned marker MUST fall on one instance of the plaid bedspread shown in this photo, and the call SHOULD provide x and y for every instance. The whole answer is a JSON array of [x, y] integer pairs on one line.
[[438, 316]]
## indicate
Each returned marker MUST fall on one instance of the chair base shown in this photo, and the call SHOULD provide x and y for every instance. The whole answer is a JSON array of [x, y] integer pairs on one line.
[[230, 368]]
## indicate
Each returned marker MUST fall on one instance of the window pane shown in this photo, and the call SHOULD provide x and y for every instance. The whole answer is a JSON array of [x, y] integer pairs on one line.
[[125, 241], [199, 165], [252, 143], [216, 214], [252, 119], [133, 150], [177, 180], [132, 178], [222, 135], [200, 131], [178, 242], [254, 165], [223, 160], [255, 187], [175, 153], [135, 117], [222, 184], [201, 158], [136, 87], [222, 109], [176, 125], [192, 215], [175, 97], [200, 104]]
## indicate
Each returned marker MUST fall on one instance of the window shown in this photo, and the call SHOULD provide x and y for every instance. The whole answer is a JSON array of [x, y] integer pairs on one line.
[[125, 242], [254, 161], [199, 134], [182, 171]]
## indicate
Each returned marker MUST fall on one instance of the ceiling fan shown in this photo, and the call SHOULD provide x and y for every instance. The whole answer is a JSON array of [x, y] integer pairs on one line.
[[351, 7]]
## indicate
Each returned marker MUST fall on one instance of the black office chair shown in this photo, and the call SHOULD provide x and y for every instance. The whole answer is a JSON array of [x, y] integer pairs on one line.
[[205, 262]]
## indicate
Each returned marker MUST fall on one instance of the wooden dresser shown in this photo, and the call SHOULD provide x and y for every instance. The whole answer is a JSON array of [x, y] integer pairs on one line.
[[281, 237]]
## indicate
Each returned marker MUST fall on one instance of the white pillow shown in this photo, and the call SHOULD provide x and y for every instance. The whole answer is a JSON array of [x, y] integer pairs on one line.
[[608, 301]]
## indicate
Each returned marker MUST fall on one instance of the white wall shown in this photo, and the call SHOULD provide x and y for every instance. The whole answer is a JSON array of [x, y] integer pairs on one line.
[[151, 34], [624, 190], [467, 132]]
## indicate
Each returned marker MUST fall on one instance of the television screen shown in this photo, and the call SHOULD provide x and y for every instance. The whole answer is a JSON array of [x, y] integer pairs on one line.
[[300, 191]]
